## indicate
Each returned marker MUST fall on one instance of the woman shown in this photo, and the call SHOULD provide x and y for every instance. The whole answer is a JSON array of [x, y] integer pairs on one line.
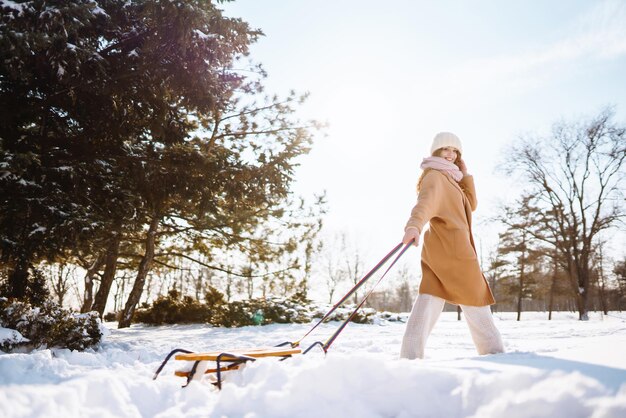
[[450, 270]]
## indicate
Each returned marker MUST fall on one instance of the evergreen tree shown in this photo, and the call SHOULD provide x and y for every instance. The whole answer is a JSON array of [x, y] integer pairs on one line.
[[519, 243], [42, 182], [496, 273], [126, 123], [619, 270]]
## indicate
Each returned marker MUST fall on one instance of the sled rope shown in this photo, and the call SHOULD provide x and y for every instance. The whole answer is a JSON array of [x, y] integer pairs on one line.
[[351, 292], [332, 338]]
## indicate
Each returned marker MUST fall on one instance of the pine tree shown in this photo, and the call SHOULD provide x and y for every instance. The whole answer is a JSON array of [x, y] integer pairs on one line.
[[520, 244], [126, 124], [619, 270]]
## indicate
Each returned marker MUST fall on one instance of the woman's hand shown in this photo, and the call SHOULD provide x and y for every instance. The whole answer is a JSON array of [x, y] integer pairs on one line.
[[461, 164], [411, 234]]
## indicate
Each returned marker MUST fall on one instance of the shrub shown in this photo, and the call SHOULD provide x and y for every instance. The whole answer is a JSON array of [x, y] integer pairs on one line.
[[237, 314], [293, 310], [216, 305], [174, 309], [10, 339], [111, 316], [50, 325], [363, 315]]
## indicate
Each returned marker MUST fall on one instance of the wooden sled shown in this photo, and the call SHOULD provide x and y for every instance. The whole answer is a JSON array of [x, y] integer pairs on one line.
[[218, 362]]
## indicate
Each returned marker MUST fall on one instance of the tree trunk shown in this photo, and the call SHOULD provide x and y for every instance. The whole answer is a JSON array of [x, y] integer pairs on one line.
[[250, 282], [142, 273], [198, 285], [583, 280], [552, 288], [92, 271], [60, 285], [580, 305], [119, 293], [602, 288], [110, 266], [229, 288], [577, 287], [520, 293]]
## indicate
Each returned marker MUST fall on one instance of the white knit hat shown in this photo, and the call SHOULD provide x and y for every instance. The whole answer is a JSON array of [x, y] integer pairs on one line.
[[446, 139]]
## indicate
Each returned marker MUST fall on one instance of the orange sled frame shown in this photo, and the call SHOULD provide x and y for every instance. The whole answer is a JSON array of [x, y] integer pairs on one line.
[[226, 360]]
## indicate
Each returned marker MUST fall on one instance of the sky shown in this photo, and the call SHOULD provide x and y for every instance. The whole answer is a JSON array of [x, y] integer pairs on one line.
[[387, 76]]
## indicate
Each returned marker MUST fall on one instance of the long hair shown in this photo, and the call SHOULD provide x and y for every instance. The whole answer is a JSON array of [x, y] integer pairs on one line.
[[436, 153]]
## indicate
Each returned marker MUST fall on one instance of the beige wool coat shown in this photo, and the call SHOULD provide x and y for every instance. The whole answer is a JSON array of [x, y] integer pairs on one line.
[[450, 268]]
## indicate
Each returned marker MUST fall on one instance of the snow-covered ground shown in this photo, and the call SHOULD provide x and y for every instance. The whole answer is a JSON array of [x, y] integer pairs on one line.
[[558, 368]]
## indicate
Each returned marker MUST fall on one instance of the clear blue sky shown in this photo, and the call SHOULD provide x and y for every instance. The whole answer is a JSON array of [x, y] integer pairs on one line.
[[387, 76]]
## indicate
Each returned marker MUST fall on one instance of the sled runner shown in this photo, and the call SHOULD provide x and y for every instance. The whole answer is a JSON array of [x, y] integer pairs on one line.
[[217, 362], [224, 360]]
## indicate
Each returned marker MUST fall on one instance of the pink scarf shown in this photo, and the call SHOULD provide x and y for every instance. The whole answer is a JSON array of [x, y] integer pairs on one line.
[[442, 165]]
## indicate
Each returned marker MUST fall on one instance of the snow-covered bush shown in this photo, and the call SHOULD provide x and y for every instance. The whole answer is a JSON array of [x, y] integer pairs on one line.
[[174, 309], [363, 315], [50, 325], [10, 339], [265, 311], [392, 316]]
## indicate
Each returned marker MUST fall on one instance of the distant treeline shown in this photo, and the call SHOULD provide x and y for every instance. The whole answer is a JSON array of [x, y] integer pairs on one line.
[[552, 251]]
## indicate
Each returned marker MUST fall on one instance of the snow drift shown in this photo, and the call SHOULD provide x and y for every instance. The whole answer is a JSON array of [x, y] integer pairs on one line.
[[559, 368]]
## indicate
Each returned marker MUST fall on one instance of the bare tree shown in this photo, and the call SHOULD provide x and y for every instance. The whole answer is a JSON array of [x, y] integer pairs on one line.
[[61, 280], [405, 293], [332, 253], [120, 287], [335, 275], [354, 269], [577, 176], [91, 276]]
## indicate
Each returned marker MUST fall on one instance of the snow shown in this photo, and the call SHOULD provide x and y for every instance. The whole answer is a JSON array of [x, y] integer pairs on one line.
[[97, 10], [13, 5], [558, 368], [38, 230], [203, 35], [11, 335], [23, 182]]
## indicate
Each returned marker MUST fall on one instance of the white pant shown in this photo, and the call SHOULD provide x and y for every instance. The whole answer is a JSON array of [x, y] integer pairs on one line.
[[424, 315]]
